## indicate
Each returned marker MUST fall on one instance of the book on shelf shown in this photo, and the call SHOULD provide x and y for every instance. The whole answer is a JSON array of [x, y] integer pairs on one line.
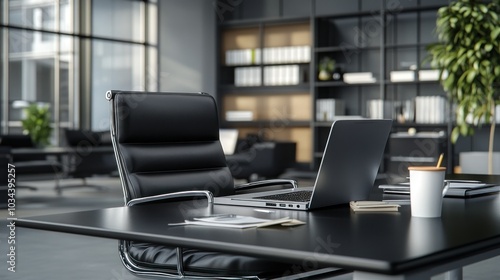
[[328, 108], [274, 55], [428, 75], [239, 115], [359, 78], [380, 109], [247, 76], [242, 57], [402, 76], [281, 75], [430, 109], [462, 188], [287, 54]]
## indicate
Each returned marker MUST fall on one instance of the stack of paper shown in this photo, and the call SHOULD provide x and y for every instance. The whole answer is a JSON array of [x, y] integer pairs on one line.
[[373, 206], [238, 221], [239, 115], [428, 75], [402, 76], [359, 78]]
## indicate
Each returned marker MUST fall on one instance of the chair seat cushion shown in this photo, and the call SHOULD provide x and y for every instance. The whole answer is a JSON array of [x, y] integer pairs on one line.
[[196, 261]]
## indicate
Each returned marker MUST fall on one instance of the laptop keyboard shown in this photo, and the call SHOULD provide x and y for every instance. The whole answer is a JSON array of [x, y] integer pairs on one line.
[[299, 196]]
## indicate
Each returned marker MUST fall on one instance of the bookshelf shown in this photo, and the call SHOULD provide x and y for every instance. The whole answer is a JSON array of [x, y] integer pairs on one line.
[[378, 48], [264, 74]]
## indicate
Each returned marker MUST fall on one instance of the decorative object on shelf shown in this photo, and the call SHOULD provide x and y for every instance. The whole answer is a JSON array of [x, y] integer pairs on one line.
[[326, 68], [37, 124], [337, 74], [469, 51]]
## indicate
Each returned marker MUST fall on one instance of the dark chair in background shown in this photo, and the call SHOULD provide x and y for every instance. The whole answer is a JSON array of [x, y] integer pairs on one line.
[[167, 147], [255, 159], [31, 166], [91, 154]]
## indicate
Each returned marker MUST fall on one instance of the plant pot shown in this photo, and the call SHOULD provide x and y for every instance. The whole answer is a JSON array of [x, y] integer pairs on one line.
[[477, 162]]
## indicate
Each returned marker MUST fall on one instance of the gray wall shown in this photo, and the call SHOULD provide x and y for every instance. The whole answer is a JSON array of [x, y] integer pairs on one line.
[[187, 46]]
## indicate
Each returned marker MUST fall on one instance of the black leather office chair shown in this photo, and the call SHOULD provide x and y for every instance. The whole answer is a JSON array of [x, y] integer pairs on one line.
[[167, 146]]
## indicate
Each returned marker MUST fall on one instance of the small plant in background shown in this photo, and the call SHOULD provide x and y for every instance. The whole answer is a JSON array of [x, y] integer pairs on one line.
[[37, 124], [469, 52], [326, 68]]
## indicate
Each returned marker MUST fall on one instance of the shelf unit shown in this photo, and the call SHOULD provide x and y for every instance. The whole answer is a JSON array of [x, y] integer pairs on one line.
[[281, 107], [361, 36]]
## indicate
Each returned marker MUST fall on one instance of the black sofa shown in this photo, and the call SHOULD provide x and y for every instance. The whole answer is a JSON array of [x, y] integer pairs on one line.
[[85, 159]]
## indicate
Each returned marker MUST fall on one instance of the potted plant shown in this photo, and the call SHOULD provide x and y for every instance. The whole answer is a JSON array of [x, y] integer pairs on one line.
[[326, 67], [468, 57], [37, 124]]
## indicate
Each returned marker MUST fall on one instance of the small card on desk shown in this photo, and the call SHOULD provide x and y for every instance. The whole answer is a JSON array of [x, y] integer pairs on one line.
[[373, 206]]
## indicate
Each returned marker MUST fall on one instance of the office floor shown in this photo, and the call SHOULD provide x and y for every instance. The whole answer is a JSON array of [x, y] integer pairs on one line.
[[60, 256]]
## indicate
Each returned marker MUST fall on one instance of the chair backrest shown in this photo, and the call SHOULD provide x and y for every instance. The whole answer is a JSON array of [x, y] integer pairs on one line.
[[167, 142]]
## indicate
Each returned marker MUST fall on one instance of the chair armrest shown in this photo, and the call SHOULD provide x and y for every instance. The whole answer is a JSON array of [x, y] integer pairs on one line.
[[208, 194], [266, 183]]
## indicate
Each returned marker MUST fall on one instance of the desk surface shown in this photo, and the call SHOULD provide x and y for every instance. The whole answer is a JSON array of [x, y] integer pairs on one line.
[[388, 243]]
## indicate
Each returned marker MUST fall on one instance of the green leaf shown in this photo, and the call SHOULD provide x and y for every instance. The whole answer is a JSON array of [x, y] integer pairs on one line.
[[468, 27], [483, 8], [470, 76], [463, 129], [455, 133], [495, 33], [497, 70]]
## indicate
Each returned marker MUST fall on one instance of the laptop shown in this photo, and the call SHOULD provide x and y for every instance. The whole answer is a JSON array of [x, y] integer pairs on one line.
[[349, 166]]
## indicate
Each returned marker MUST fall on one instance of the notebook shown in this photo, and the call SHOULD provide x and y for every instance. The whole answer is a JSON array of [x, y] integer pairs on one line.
[[349, 166], [458, 188]]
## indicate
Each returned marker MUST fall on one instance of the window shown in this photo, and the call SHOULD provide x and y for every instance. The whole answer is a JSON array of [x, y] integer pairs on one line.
[[65, 54]]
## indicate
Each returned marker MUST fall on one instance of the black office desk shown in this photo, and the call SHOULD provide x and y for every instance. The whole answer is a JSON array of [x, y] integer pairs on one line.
[[391, 245]]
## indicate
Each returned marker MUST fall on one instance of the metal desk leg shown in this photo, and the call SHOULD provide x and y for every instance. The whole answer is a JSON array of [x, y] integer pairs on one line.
[[453, 274]]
